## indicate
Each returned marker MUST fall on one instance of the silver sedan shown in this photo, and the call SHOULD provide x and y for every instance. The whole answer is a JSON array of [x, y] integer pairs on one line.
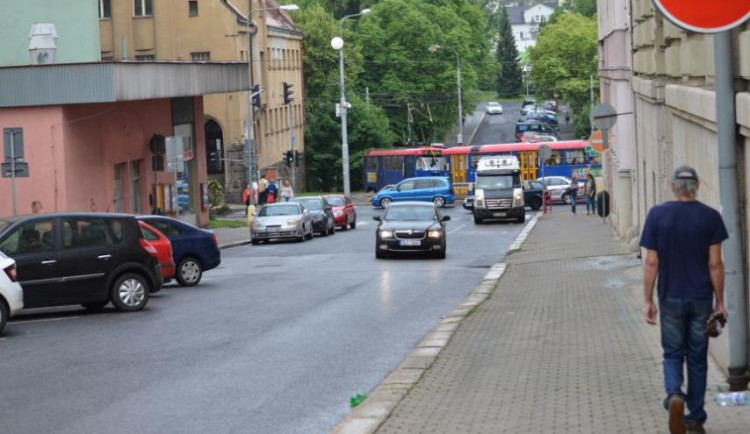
[[285, 220]]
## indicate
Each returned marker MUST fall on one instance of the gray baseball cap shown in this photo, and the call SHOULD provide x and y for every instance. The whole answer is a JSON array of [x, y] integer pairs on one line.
[[685, 172]]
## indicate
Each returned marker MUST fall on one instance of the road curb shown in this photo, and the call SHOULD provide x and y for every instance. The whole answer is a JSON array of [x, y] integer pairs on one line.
[[476, 128], [367, 417], [235, 244]]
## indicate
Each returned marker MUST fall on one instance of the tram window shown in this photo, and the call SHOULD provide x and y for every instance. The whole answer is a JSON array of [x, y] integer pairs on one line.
[[372, 164], [555, 159], [431, 163], [393, 162], [574, 157]]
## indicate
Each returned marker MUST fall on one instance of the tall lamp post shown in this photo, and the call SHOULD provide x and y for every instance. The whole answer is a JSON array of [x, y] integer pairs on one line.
[[433, 48], [337, 43], [250, 143]]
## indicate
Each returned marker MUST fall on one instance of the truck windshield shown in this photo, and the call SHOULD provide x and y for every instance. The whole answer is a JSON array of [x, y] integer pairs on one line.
[[485, 182]]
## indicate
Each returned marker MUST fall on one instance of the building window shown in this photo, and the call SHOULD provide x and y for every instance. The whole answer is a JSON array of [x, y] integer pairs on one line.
[[145, 57], [193, 8], [105, 9], [135, 187], [201, 56], [107, 58], [143, 8], [118, 188]]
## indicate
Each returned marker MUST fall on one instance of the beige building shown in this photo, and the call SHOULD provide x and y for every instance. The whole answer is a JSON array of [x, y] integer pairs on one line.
[[216, 31], [671, 96]]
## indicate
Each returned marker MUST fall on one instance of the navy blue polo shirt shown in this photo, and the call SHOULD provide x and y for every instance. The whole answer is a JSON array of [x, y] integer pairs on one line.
[[681, 233]]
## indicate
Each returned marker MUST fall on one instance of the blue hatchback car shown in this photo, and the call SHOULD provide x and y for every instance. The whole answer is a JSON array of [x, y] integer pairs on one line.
[[194, 250], [435, 189]]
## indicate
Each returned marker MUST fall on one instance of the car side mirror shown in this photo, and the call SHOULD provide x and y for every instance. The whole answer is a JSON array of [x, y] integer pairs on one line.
[[445, 218], [377, 218]]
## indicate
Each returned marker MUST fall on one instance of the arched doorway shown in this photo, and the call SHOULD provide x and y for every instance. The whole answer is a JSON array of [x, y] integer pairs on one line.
[[214, 148]]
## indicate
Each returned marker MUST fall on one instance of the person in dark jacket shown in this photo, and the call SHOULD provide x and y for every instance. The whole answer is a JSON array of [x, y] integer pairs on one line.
[[590, 190], [572, 192]]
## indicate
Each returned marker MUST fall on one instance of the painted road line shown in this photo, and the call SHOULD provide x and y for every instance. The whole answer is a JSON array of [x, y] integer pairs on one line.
[[456, 229], [32, 321]]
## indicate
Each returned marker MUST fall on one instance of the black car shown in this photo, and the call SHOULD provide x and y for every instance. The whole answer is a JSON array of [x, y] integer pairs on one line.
[[321, 212], [81, 258], [410, 227], [532, 196]]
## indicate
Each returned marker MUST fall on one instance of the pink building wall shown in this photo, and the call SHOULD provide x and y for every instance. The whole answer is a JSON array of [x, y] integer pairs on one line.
[[72, 152]]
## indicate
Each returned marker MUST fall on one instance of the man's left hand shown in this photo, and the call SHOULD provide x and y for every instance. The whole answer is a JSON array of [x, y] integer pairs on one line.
[[649, 313]]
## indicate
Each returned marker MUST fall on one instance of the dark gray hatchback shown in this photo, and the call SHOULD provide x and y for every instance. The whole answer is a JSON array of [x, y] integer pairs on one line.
[[81, 258]]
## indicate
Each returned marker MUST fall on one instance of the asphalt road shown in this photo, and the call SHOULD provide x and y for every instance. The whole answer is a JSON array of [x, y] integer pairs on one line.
[[276, 340], [499, 128]]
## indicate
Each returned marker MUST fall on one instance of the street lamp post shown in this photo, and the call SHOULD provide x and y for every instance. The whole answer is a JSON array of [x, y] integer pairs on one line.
[[460, 137], [337, 43], [250, 143]]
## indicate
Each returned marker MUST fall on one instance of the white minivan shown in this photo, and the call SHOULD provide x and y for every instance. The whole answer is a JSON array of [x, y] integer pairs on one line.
[[11, 294]]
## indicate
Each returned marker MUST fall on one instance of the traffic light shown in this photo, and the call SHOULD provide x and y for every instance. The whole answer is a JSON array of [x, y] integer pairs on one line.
[[296, 158], [287, 92], [288, 158], [256, 95]]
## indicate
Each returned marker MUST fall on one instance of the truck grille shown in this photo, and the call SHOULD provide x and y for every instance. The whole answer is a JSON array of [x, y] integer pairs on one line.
[[409, 235], [499, 203]]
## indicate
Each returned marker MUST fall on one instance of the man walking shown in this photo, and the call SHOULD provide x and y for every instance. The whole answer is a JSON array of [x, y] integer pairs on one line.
[[683, 240]]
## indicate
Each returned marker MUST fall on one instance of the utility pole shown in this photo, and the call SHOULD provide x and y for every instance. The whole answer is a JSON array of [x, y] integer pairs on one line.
[[250, 145]]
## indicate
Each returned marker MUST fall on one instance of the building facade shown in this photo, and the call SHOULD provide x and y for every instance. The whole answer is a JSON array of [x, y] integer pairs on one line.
[[673, 122], [525, 22], [217, 31]]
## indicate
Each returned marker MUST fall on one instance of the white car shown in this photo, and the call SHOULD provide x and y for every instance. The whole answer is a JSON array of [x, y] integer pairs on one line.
[[11, 294], [494, 108], [558, 185]]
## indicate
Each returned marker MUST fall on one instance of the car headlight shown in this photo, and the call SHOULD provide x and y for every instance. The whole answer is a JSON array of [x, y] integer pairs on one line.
[[386, 234], [434, 233], [518, 198], [257, 224], [296, 222], [338, 213], [479, 198]]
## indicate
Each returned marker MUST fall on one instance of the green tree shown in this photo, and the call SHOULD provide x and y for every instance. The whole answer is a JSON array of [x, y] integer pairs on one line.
[[564, 59], [509, 80]]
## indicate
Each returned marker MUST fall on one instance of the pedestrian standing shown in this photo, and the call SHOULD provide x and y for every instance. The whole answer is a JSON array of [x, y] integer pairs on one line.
[[572, 192], [246, 197], [286, 191], [262, 193], [683, 240], [590, 190], [272, 192]]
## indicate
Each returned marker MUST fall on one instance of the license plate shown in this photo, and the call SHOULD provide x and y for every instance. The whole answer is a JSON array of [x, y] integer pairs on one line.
[[274, 229], [409, 242], [499, 214]]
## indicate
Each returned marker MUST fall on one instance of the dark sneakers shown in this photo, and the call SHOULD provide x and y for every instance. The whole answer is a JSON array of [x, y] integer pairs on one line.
[[696, 428], [677, 415]]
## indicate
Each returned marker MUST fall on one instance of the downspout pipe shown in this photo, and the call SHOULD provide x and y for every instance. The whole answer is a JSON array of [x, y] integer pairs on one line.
[[734, 285]]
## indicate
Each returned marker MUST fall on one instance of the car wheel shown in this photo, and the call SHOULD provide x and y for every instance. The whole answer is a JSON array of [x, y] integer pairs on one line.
[[353, 225], [536, 203], [255, 242], [566, 199], [332, 231], [439, 201], [129, 292], [324, 232], [440, 254], [189, 272], [379, 254], [477, 220], [384, 202], [95, 307], [4, 312], [310, 235], [522, 219]]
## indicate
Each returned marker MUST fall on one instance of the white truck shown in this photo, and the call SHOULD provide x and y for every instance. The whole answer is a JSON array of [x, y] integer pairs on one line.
[[498, 193]]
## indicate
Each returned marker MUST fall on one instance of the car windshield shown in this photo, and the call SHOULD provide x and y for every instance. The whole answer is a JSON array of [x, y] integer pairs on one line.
[[335, 200], [415, 213], [270, 211], [311, 204], [497, 181], [388, 187], [493, 104]]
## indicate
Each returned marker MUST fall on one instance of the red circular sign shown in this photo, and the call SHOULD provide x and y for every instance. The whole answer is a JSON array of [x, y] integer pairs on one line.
[[705, 17]]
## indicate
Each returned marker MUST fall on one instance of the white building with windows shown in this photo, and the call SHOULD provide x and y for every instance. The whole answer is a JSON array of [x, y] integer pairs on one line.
[[525, 21]]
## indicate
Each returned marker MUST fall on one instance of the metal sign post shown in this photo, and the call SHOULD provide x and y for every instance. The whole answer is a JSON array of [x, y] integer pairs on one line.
[[13, 172]]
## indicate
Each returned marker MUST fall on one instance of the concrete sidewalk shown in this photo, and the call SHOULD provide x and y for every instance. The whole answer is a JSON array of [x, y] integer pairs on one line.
[[558, 347]]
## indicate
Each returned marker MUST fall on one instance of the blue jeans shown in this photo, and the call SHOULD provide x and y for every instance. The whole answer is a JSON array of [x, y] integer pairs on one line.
[[590, 203], [683, 322], [572, 196]]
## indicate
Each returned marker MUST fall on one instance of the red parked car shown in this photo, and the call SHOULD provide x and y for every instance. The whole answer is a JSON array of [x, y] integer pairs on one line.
[[344, 211], [163, 249]]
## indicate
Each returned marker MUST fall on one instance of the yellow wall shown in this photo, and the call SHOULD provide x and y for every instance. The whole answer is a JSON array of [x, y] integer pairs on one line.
[[172, 34]]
